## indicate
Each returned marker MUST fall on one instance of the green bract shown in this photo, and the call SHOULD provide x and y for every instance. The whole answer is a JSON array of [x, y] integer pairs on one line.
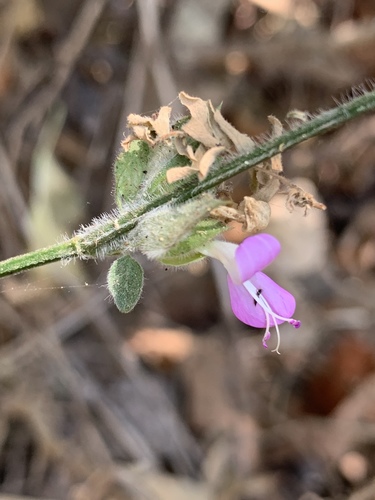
[[186, 251], [140, 172], [176, 231], [130, 170]]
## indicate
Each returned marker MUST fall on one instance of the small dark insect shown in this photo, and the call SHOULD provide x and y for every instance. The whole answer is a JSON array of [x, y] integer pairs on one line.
[[258, 295]]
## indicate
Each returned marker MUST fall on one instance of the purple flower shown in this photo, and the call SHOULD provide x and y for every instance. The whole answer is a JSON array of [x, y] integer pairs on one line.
[[255, 298]]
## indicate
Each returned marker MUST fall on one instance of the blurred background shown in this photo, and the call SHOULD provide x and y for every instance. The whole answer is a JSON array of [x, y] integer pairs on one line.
[[178, 400]]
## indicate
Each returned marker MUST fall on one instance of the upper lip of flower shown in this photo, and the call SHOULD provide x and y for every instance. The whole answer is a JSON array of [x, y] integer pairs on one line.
[[269, 304], [255, 253]]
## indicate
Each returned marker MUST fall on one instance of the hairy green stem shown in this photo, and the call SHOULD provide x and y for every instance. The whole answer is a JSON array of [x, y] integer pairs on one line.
[[60, 251], [89, 243]]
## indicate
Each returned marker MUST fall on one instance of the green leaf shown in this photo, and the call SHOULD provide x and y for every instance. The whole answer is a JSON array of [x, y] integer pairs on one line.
[[130, 171], [158, 183], [162, 157], [125, 283]]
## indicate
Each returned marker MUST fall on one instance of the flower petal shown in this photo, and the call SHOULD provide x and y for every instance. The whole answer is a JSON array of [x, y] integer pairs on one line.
[[280, 300], [255, 253], [225, 252], [243, 306]]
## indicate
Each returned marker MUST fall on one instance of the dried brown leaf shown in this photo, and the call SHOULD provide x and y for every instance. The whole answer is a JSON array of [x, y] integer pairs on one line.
[[253, 214], [149, 128], [277, 164], [181, 146], [269, 186], [161, 124], [208, 126], [226, 214], [178, 173], [127, 141], [242, 143], [297, 197], [257, 214], [143, 133], [208, 159], [134, 119], [198, 127], [197, 155], [201, 161], [277, 126], [277, 130]]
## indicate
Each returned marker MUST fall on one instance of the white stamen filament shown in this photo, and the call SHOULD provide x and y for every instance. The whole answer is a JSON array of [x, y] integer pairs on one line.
[[267, 333], [268, 311]]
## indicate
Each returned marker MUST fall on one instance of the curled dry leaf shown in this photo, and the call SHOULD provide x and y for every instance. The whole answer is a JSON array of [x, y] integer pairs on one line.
[[298, 115], [277, 130], [277, 126], [149, 128], [253, 214], [268, 185], [266, 178], [226, 214], [208, 126], [161, 123], [178, 173], [208, 159], [297, 197], [215, 135], [201, 161], [271, 183], [199, 126], [257, 214]]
